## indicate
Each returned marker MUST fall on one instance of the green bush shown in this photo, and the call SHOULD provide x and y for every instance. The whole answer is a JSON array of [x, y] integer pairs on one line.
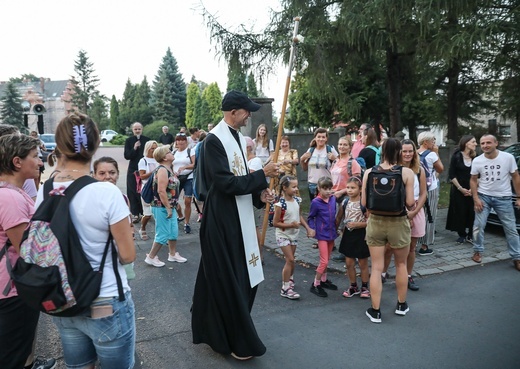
[[118, 140], [154, 130]]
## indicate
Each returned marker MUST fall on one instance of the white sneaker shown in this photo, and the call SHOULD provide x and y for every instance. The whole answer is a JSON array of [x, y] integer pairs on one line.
[[154, 262], [177, 258]]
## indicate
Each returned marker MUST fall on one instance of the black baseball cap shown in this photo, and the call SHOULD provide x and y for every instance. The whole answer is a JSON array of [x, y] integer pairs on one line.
[[238, 100]]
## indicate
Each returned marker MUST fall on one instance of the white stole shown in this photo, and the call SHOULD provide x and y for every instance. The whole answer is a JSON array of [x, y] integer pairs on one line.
[[244, 202]]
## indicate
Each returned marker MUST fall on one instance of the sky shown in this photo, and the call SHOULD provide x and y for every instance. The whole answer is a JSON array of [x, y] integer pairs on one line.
[[124, 39]]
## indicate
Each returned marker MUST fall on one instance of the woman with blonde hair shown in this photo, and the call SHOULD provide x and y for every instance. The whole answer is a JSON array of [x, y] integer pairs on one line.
[[429, 153], [288, 159], [343, 168], [263, 144], [146, 166], [97, 211], [165, 190]]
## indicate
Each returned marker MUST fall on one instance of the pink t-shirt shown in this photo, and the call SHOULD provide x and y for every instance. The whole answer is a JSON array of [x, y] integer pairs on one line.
[[339, 173], [356, 148], [17, 208]]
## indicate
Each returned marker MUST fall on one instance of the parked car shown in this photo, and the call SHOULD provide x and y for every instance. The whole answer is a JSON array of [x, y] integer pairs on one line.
[[107, 135], [50, 144], [514, 150]]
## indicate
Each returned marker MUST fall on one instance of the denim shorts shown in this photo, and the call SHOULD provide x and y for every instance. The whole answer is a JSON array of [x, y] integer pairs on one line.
[[187, 186], [111, 339], [166, 229]]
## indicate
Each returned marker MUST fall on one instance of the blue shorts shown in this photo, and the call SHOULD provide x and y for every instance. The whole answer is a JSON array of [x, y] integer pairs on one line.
[[166, 229], [187, 186], [111, 340]]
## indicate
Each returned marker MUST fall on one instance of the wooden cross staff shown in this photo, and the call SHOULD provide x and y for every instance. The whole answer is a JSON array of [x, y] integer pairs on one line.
[[295, 41]]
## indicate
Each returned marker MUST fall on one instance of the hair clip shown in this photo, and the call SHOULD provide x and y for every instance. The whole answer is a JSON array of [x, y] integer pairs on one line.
[[80, 138]]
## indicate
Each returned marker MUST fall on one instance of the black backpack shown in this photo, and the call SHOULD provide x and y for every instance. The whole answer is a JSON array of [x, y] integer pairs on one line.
[[385, 191], [53, 274]]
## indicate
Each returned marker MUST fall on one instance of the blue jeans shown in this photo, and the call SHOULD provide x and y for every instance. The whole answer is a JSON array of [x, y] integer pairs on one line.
[[111, 340], [313, 188], [503, 206]]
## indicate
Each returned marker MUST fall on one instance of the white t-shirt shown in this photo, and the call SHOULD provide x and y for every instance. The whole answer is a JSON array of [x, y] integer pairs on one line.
[[431, 158], [182, 159], [319, 164], [148, 165], [263, 152], [93, 209], [192, 143], [495, 174], [292, 214]]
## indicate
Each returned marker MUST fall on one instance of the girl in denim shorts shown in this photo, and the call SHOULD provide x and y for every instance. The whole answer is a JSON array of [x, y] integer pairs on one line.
[[287, 220]]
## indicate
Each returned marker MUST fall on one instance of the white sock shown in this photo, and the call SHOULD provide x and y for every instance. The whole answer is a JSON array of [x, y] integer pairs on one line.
[[285, 285]]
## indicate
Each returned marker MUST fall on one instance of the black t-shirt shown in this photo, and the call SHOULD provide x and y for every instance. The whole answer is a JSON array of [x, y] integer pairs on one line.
[[166, 139]]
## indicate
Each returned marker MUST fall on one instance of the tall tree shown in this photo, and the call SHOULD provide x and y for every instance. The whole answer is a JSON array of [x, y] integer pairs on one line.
[[142, 110], [211, 104], [126, 105], [192, 101], [11, 111], [252, 89], [114, 115], [169, 92], [84, 83], [98, 111], [236, 74]]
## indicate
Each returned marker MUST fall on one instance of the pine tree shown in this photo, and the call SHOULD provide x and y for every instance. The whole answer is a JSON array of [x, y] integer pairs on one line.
[[169, 92], [236, 75], [84, 83], [114, 115], [252, 90], [142, 110], [126, 105], [98, 111], [11, 111]]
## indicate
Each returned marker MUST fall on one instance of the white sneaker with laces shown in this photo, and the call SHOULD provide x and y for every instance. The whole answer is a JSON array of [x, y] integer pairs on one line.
[[177, 258], [154, 262]]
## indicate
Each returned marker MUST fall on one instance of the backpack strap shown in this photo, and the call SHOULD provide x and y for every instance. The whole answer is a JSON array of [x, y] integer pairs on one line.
[[110, 244], [8, 267]]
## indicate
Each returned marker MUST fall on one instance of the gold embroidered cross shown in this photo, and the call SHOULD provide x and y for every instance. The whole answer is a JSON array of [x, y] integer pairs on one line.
[[253, 260]]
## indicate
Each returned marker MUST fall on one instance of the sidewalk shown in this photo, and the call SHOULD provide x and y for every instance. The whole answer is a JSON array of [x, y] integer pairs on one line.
[[448, 255]]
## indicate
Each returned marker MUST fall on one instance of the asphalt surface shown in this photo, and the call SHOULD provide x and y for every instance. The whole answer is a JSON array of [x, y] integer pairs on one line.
[[463, 317]]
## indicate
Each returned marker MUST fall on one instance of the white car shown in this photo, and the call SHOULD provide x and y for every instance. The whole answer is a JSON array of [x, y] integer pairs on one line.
[[107, 135]]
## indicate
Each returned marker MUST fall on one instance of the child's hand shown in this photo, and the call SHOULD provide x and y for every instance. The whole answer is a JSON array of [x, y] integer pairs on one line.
[[295, 225], [311, 233]]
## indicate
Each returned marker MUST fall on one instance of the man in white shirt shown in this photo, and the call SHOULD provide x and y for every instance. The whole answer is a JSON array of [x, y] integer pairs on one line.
[[491, 175]]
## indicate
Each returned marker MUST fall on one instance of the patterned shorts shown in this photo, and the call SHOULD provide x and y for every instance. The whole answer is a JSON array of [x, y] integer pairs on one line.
[[282, 241]]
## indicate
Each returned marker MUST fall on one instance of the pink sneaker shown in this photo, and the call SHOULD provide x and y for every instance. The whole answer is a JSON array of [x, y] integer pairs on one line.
[[365, 293], [290, 294]]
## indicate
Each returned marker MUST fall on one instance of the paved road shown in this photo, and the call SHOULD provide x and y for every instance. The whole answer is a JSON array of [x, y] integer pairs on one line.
[[466, 318]]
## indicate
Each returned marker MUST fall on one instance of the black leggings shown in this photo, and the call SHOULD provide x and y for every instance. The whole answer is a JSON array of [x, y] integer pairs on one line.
[[17, 329]]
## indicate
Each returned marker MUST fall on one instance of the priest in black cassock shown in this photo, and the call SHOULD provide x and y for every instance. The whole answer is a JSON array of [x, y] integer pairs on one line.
[[134, 151], [230, 267]]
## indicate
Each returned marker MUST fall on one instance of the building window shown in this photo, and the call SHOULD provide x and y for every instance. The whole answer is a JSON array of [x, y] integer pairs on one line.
[[504, 131]]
